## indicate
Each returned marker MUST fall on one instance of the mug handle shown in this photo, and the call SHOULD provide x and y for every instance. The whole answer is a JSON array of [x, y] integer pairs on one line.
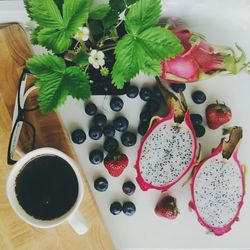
[[78, 222]]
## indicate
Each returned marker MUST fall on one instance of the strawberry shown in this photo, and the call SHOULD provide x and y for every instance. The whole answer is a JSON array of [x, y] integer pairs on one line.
[[166, 207], [217, 114], [115, 163]]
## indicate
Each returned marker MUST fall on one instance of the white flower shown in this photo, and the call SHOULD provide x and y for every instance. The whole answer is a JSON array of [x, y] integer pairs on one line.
[[82, 34], [96, 58]]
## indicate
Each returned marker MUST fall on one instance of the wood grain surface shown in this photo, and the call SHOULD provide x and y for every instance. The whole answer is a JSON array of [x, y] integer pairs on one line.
[[14, 233]]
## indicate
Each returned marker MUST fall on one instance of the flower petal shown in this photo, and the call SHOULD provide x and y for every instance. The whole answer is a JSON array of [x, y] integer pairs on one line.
[[101, 61], [100, 55], [93, 53]]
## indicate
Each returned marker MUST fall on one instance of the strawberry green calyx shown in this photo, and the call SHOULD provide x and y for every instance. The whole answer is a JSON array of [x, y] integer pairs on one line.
[[222, 107]]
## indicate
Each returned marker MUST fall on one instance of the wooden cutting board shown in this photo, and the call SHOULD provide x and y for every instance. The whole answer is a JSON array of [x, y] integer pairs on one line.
[[14, 233]]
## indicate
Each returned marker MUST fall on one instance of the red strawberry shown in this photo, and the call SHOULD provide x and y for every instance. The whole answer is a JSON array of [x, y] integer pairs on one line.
[[166, 207], [115, 163], [217, 114]]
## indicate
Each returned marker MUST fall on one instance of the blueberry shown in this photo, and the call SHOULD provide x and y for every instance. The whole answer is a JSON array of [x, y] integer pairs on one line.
[[95, 133], [90, 108], [109, 131], [100, 120], [196, 119], [128, 208], [132, 91], [199, 130], [128, 188], [121, 124], [152, 106], [116, 104], [142, 128], [177, 88], [128, 139], [111, 145], [198, 97], [78, 136], [96, 156], [146, 94], [101, 184], [115, 208], [145, 116]]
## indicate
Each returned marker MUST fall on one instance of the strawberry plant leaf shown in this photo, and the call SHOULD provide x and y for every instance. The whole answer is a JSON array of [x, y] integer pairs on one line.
[[81, 58], [110, 19], [99, 11], [56, 26], [143, 52], [75, 14], [56, 82], [129, 60], [55, 40], [159, 43], [121, 5], [142, 15], [46, 13], [151, 67], [77, 83]]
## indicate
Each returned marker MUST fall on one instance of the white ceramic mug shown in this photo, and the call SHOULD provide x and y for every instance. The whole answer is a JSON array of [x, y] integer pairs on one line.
[[73, 216]]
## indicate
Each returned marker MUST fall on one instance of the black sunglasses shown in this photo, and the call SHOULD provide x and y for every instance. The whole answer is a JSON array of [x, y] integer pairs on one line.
[[19, 124]]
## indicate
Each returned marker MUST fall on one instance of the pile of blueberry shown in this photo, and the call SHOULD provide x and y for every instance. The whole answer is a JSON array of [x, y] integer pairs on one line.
[[153, 99], [198, 97], [128, 208], [100, 127]]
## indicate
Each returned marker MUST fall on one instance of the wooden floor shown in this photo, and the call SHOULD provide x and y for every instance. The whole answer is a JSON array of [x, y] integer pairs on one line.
[[14, 233]]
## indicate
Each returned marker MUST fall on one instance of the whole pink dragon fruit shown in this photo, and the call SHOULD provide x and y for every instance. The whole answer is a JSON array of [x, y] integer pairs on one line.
[[201, 60], [168, 149], [218, 186]]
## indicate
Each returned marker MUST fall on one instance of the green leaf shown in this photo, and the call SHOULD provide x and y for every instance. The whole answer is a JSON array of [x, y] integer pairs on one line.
[[129, 60], [99, 11], [39, 66], [56, 82], [59, 4], [95, 27], [75, 14], [121, 5], [143, 52], [27, 6], [81, 58], [56, 40], [142, 15], [77, 83], [159, 43], [46, 14], [57, 27], [110, 19], [151, 67], [34, 35]]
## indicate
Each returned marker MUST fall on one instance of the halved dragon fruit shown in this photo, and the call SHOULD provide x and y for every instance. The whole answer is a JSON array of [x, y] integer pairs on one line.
[[218, 186], [168, 149]]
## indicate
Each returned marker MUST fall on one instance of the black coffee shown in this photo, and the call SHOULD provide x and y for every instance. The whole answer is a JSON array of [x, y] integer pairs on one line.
[[46, 187]]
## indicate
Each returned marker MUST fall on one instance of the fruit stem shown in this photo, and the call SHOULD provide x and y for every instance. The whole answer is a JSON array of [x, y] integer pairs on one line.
[[172, 100], [229, 146]]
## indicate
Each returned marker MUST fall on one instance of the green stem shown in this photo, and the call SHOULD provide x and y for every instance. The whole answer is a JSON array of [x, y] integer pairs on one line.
[[85, 70], [107, 49]]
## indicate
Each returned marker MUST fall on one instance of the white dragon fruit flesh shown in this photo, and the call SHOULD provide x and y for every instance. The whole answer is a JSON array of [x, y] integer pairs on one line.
[[167, 151], [218, 186]]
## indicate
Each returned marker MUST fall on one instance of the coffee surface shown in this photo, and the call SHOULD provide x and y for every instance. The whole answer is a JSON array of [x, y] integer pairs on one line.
[[46, 187]]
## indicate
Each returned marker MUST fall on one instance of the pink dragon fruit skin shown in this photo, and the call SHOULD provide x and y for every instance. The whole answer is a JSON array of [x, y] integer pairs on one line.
[[192, 204], [200, 60], [169, 120]]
